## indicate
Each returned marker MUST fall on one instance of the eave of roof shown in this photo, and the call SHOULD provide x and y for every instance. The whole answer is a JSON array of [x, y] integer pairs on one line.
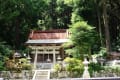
[[47, 41]]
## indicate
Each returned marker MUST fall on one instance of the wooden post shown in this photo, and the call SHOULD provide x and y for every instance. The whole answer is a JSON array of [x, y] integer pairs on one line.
[[54, 56], [62, 53]]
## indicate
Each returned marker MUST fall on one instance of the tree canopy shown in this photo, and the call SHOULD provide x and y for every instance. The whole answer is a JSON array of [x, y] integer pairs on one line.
[[18, 17]]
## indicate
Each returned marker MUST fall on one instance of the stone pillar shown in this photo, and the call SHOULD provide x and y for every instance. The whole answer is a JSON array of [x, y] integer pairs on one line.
[[35, 58]]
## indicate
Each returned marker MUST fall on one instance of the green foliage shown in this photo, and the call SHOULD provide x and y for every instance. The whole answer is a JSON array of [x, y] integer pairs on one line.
[[18, 65], [57, 68], [102, 52], [15, 19], [5, 50], [112, 70], [82, 37], [73, 3], [95, 67], [18, 17], [74, 67], [75, 17], [2, 68], [4, 53], [25, 64]]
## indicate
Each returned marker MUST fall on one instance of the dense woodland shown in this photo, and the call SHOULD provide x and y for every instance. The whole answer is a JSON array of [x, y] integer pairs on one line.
[[19, 17]]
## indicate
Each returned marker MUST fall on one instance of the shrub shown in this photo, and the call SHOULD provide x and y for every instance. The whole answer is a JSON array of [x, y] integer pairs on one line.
[[74, 67], [18, 65], [94, 67], [25, 64], [112, 70], [57, 68]]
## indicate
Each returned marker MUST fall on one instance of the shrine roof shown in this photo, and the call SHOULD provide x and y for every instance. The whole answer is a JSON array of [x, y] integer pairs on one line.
[[48, 36]]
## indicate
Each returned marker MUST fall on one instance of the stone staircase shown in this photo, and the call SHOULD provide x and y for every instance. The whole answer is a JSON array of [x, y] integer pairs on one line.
[[41, 75]]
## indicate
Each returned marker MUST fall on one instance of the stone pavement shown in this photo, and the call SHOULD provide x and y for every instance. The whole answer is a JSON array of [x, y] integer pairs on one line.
[[99, 78]]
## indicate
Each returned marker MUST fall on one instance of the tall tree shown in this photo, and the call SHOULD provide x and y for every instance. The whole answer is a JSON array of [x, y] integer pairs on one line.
[[105, 20], [83, 38], [82, 34], [16, 18], [114, 23]]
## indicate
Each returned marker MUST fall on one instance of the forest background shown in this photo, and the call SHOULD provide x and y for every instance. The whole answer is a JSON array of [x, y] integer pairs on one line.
[[19, 17]]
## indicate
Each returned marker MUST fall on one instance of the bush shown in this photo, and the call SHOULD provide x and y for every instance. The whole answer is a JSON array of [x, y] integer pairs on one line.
[[57, 68], [74, 67], [94, 67], [112, 71], [5, 51], [2, 66], [18, 65], [25, 64]]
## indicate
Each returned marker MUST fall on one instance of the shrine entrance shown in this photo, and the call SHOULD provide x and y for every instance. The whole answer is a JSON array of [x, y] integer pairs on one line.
[[44, 57]]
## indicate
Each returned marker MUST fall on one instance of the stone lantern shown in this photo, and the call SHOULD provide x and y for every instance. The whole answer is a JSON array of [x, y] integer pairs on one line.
[[17, 55], [17, 64], [101, 60], [86, 72]]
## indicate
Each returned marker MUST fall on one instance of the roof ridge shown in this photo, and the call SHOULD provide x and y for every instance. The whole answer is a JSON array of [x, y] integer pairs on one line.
[[50, 31]]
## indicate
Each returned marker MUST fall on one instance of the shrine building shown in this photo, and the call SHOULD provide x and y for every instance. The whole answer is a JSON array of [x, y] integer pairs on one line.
[[46, 47]]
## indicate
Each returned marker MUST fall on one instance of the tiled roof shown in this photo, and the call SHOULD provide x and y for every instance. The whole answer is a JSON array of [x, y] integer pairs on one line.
[[49, 34]]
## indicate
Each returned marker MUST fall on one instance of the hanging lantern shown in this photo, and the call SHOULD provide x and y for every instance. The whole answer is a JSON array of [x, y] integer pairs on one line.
[[59, 59]]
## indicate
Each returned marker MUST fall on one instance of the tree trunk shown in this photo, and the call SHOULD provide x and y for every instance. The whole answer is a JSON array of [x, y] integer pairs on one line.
[[99, 22], [105, 21], [17, 34]]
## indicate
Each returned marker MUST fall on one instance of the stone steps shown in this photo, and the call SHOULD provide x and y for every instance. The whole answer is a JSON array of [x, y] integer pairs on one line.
[[41, 75]]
